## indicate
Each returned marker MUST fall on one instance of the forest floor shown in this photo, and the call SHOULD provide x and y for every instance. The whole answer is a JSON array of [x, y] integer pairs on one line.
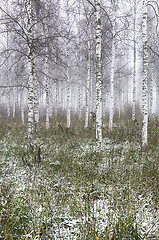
[[63, 189]]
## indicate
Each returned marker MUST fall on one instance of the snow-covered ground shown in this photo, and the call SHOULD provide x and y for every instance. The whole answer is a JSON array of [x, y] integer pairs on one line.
[[54, 199]]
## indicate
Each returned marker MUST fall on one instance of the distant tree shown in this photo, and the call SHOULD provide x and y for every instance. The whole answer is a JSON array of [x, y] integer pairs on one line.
[[134, 63], [88, 13], [88, 77], [112, 66], [145, 76], [79, 62], [47, 90], [68, 66], [8, 80], [22, 106]]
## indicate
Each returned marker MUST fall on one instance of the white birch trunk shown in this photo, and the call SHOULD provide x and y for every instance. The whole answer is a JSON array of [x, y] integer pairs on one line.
[[47, 95], [98, 78], [47, 100], [8, 102], [111, 113], [79, 66], [60, 95], [14, 102], [50, 99], [88, 78], [68, 93], [30, 98], [91, 105], [68, 71], [8, 82], [36, 97], [56, 97], [145, 77], [91, 95], [119, 104], [22, 106], [31, 75], [47, 87], [80, 94], [134, 67], [94, 97], [36, 74]]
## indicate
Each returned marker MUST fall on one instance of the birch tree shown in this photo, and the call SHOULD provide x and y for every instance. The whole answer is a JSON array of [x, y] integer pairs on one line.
[[88, 85], [8, 81], [111, 113], [98, 76], [33, 81], [14, 102], [68, 69], [145, 76], [22, 106], [31, 70], [47, 94], [35, 15], [88, 76], [79, 64], [68, 90], [134, 63], [36, 97]]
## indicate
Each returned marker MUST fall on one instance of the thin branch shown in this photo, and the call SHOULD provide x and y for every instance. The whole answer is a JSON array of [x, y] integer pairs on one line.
[[14, 20], [91, 4], [153, 51], [13, 86]]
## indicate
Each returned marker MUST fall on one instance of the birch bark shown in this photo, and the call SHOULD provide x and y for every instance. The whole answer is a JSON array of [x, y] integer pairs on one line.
[[144, 77], [134, 62], [80, 93], [88, 77], [22, 105], [67, 71], [56, 97], [98, 78], [79, 66], [91, 95], [31, 69], [30, 98], [8, 82], [36, 64], [14, 102], [68, 92], [36, 97], [47, 94], [111, 113], [8, 101]]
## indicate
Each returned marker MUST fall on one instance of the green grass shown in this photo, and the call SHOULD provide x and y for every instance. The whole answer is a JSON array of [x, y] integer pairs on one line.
[[66, 190]]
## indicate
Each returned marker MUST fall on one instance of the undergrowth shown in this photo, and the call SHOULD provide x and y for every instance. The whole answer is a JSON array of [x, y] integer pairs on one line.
[[62, 189]]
